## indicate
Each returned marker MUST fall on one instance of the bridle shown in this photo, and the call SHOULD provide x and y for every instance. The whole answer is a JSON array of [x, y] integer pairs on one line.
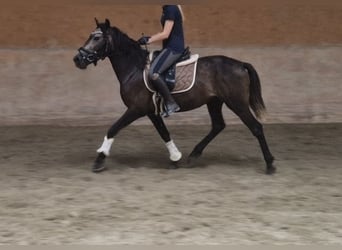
[[94, 56]]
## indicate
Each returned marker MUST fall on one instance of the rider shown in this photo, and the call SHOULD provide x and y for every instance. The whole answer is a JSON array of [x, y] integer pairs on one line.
[[172, 36]]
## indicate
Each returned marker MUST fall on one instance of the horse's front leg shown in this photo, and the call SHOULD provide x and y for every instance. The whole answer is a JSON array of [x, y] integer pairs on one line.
[[175, 154], [127, 118]]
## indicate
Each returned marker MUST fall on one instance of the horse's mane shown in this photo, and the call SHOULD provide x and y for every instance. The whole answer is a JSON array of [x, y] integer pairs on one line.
[[124, 45]]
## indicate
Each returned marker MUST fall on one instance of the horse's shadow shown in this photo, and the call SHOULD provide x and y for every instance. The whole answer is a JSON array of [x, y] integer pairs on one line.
[[161, 161]]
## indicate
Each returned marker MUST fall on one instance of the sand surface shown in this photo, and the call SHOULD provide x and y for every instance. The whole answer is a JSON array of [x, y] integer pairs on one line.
[[49, 195]]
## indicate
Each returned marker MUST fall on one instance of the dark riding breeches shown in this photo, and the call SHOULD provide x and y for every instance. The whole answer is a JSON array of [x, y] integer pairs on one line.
[[162, 62]]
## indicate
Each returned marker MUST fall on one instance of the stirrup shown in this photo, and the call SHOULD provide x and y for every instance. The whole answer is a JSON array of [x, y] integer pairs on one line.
[[167, 112]]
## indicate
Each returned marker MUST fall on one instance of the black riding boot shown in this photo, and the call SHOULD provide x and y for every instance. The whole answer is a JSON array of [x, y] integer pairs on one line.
[[170, 104]]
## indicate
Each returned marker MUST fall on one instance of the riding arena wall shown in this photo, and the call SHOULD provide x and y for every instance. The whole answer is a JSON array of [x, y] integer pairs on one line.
[[296, 47]]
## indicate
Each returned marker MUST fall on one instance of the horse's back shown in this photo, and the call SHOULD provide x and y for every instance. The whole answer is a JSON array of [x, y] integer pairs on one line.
[[223, 67], [220, 59]]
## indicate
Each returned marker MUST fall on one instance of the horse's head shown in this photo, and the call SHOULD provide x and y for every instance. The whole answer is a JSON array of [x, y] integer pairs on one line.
[[96, 47]]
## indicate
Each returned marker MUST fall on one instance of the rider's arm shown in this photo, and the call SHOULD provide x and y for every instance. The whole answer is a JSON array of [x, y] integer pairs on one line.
[[164, 34]]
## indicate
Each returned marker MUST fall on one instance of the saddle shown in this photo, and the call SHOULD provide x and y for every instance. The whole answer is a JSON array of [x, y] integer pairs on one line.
[[169, 75], [181, 82], [180, 77]]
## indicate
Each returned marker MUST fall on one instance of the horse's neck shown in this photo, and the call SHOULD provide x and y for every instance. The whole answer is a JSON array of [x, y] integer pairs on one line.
[[123, 68]]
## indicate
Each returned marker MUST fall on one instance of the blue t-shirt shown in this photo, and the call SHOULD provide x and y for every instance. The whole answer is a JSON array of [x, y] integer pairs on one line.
[[175, 41]]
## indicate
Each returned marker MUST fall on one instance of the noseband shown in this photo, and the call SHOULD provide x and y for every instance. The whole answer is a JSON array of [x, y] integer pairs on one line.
[[91, 57]]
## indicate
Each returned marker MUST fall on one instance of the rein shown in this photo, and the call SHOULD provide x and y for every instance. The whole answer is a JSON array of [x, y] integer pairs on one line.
[[114, 44]]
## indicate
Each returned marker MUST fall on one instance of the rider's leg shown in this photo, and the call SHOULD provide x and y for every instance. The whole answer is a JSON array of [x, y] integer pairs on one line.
[[170, 104], [165, 59]]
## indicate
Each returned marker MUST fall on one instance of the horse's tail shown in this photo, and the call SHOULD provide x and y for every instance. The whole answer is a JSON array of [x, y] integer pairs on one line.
[[255, 99]]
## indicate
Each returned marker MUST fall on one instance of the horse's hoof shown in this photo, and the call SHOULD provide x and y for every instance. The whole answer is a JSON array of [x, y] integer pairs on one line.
[[99, 164], [191, 162], [193, 159], [98, 167], [270, 170], [173, 165]]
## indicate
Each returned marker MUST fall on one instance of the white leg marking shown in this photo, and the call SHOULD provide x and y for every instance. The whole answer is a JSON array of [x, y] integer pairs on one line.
[[106, 145], [175, 154]]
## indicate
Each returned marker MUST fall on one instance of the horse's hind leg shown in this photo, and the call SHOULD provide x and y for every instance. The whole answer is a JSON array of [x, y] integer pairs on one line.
[[257, 130], [175, 154], [218, 124]]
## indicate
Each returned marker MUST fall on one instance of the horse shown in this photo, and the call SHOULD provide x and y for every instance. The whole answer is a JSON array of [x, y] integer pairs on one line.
[[219, 80]]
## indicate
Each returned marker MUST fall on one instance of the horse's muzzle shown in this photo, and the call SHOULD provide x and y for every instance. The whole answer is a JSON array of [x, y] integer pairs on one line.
[[80, 62]]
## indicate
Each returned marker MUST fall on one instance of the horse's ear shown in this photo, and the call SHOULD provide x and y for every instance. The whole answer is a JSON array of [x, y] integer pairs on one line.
[[107, 22], [97, 22]]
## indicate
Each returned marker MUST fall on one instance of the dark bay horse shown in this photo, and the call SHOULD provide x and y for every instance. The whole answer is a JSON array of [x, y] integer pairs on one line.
[[219, 80]]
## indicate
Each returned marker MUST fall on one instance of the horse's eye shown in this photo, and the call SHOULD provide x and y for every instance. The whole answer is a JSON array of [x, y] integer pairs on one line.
[[96, 38]]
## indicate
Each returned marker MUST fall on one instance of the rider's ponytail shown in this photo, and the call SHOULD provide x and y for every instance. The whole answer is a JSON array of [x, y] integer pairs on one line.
[[181, 11]]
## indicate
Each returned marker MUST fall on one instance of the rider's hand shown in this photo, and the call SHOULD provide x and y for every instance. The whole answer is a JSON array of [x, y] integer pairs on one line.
[[144, 40]]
